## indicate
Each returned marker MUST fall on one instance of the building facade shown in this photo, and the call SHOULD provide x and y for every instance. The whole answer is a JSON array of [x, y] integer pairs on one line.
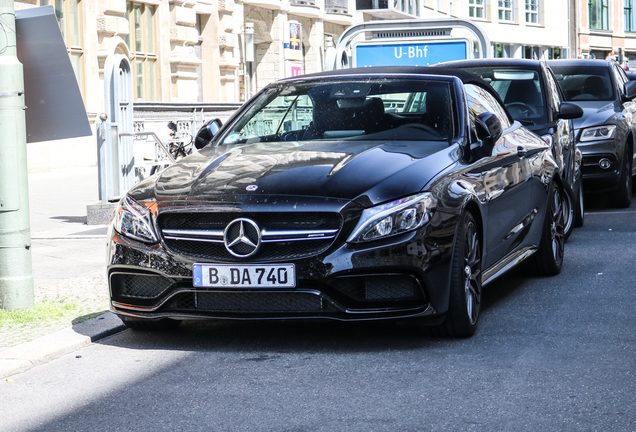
[[194, 51], [605, 28], [535, 29]]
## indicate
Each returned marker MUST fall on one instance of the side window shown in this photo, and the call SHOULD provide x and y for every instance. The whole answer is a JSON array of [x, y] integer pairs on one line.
[[621, 77], [554, 91], [284, 114], [480, 101]]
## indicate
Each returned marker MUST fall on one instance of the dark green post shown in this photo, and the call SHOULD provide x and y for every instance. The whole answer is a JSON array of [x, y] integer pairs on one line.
[[16, 279]]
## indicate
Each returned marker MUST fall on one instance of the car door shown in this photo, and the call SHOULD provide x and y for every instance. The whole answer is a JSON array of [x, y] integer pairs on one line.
[[505, 180], [629, 107]]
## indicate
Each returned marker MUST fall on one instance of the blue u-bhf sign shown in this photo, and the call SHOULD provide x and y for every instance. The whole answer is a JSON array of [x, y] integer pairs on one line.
[[408, 53]]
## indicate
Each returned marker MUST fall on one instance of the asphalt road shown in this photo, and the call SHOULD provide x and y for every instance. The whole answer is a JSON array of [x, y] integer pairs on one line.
[[551, 354]]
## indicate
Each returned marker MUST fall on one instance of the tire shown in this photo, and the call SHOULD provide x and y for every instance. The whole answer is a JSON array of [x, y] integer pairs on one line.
[[548, 259], [149, 324], [579, 214], [569, 206], [465, 282], [623, 195]]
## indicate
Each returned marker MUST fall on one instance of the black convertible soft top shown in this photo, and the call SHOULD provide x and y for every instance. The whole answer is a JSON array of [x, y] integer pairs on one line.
[[464, 76]]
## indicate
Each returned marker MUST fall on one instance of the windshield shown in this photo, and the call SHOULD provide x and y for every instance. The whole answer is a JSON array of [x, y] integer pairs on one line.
[[521, 91], [584, 83], [348, 109]]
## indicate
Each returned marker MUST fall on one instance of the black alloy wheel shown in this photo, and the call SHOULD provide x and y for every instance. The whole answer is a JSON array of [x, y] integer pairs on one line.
[[624, 192], [579, 214], [548, 259], [465, 285]]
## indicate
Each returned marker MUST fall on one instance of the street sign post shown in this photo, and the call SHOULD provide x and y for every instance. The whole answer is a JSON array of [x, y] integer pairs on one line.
[[420, 42]]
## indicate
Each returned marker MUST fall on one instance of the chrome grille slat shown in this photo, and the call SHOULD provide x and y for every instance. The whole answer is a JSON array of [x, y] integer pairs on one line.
[[193, 233], [206, 240], [298, 239], [268, 236]]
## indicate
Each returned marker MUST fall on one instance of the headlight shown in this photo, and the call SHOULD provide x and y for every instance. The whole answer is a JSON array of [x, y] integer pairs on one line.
[[598, 133], [135, 221], [394, 218]]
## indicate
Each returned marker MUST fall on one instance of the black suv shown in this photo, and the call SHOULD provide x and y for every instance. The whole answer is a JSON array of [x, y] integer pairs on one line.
[[532, 96], [606, 132]]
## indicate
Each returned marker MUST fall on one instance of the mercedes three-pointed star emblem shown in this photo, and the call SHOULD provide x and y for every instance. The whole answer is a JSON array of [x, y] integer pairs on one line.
[[242, 237]]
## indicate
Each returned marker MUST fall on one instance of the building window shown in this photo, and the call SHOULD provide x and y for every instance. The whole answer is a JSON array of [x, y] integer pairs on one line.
[[505, 10], [530, 52], [554, 53], [502, 51], [598, 12], [68, 14], [142, 43], [630, 19], [476, 8], [532, 11]]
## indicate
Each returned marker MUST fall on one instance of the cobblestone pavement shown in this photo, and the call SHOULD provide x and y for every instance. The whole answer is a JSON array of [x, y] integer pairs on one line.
[[68, 256], [88, 293]]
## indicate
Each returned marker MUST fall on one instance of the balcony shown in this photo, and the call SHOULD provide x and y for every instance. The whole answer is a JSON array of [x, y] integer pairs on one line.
[[337, 12], [305, 8], [265, 4], [390, 9], [337, 6]]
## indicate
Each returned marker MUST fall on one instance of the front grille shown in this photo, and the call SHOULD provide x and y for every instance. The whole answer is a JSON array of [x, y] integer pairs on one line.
[[142, 286], [273, 221], [207, 241], [267, 252], [379, 287], [248, 302]]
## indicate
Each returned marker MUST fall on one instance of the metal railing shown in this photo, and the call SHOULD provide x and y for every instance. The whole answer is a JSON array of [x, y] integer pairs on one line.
[[158, 142]]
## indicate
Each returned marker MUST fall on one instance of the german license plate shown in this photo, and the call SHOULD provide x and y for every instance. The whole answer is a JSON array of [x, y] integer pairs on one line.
[[244, 276]]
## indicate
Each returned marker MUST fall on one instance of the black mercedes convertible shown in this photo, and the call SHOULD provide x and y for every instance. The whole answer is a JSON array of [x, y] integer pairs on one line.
[[376, 193]]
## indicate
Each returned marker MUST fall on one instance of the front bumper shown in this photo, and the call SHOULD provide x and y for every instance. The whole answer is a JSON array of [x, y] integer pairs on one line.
[[406, 276], [595, 178]]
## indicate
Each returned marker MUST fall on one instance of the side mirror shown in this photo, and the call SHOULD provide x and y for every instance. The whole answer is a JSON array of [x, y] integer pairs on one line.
[[630, 90], [489, 130], [207, 132], [569, 110]]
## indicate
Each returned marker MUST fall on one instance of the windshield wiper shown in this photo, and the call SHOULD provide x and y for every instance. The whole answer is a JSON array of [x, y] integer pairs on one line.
[[526, 122]]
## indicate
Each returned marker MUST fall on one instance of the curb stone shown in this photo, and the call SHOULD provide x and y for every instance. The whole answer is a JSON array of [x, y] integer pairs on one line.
[[22, 357]]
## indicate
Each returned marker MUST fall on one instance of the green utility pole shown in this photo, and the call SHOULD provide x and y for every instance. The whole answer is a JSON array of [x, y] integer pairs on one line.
[[16, 279]]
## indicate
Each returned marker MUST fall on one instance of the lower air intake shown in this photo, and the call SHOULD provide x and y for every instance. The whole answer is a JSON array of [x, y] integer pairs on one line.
[[141, 286], [265, 302], [379, 287]]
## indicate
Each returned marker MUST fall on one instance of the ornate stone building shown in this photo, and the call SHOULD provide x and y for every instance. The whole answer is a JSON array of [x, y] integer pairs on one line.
[[185, 51]]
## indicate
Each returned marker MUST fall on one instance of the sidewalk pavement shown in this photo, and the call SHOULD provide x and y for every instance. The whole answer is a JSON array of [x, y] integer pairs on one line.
[[69, 269]]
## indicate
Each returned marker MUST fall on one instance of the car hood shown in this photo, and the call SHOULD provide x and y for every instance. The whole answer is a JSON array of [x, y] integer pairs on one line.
[[596, 113], [376, 171]]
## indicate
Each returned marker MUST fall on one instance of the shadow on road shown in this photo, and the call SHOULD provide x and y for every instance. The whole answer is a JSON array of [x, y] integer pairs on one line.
[[311, 336]]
